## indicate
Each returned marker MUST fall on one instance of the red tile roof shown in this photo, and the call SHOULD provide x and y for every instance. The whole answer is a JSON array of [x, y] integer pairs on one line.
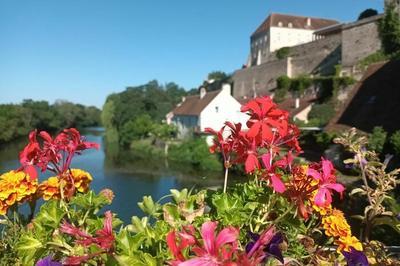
[[298, 22], [193, 105]]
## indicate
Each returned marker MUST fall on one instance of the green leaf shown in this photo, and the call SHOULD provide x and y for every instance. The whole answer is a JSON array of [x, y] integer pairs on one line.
[[49, 216], [148, 206], [28, 248]]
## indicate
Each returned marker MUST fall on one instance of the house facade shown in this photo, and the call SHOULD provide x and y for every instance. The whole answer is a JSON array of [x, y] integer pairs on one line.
[[280, 30], [208, 109]]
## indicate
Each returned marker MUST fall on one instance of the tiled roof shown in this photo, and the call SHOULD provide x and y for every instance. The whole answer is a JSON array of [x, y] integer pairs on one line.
[[298, 22], [290, 105], [193, 105]]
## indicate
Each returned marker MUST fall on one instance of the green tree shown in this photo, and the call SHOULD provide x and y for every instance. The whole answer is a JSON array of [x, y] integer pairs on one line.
[[138, 128], [395, 141], [377, 139], [389, 31], [368, 13]]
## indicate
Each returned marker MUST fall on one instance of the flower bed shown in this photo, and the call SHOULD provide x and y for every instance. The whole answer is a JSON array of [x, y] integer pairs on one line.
[[282, 215]]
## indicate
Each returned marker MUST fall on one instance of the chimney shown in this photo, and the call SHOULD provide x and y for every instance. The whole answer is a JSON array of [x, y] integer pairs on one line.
[[226, 88], [183, 99], [297, 103], [308, 22], [202, 92]]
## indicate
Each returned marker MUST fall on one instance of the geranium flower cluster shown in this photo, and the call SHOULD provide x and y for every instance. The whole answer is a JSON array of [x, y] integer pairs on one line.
[[15, 187], [269, 131], [214, 249], [267, 150]]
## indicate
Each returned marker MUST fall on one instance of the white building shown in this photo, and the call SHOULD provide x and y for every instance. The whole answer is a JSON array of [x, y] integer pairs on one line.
[[280, 30], [209, 109]]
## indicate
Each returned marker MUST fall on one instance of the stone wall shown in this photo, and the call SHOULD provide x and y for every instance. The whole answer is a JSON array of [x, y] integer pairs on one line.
[[309, 58], [261, 78], [360, 39]]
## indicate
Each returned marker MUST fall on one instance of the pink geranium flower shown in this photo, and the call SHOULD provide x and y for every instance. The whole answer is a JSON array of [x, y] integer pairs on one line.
[[324, 173], [215, 250]]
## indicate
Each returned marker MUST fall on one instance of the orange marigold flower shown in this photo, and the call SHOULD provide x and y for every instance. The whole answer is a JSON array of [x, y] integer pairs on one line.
[[15, 187], [344, 243], [335, 224], [82, 179], [50, 189]]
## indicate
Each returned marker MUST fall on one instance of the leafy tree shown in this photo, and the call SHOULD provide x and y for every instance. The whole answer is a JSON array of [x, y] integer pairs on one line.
[[395, 141], [389, 31], [377, 139], [368, 13], [138, 128], [218, 76]]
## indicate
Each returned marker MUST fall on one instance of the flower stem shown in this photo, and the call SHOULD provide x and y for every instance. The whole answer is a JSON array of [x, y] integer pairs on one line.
[[226, 179]]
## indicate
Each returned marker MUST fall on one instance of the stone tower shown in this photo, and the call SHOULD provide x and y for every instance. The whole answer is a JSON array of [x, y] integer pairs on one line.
[[394, 3]]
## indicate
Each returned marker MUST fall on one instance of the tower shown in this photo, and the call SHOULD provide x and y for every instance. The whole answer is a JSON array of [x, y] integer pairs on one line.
[[394, 3]]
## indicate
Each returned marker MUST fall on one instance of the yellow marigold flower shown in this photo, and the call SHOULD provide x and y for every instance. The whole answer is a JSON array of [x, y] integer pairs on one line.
[[50, 189], [335, 224], [323, 211], [15, 187], [344, 243], [82, 179]]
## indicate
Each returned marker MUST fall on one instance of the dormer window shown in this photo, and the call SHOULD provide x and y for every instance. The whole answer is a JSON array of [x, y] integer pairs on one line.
[[290, 25], [280, 24]]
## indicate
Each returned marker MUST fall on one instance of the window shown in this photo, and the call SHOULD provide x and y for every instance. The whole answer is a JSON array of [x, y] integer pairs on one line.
[[290, 25], [216, 109], [280, 24]]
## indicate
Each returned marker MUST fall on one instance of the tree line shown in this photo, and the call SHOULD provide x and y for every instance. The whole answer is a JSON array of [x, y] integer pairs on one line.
[[17, 120]]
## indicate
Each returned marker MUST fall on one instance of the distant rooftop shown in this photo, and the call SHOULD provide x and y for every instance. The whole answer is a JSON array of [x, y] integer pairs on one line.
[[297, 22], [193, 105]]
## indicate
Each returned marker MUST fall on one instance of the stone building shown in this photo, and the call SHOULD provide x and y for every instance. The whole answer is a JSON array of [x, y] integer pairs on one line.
[[280, 30]]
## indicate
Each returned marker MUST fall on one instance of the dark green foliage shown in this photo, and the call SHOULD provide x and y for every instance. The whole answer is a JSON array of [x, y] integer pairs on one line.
[[300, 84], [373, 58], [324, 139], [122, 109], [395, 141], [389, 31], [195, 152], [137, 128], [215, 80], [368, 13], [283, 82], [377, 139], [283, 53], [18, 120], [322, 113]]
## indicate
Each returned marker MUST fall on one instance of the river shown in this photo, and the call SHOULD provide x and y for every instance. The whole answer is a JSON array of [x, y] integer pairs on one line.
[[130, 179]]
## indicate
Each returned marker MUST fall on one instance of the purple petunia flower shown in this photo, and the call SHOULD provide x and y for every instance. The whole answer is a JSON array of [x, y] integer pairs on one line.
[[355, 258], [270, 247], [48, 261]]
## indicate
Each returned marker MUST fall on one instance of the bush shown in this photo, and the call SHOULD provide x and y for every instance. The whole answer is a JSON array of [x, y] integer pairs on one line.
[[395, 141], [196, 153], [283, 53], [283, 82], [138, 128], [377, 139], [372, 58], [300, 84], [322, 113]]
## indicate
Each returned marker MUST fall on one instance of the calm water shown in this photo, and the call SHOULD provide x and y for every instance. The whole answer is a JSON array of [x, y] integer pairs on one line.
[[129, 178]]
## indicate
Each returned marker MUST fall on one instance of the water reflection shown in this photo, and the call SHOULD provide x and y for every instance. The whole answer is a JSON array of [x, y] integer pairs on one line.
[[130, 178]]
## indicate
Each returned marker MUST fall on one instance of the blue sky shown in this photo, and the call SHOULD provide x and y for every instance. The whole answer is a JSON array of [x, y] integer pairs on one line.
[[83, 50]]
